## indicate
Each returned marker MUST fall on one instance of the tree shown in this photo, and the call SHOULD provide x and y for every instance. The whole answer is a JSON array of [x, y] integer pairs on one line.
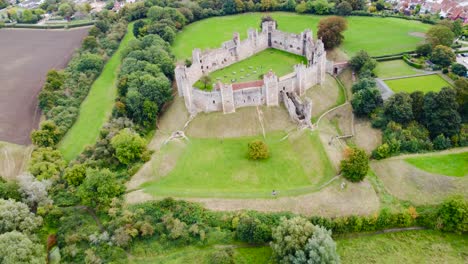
[[257, 150], [296, 240], [156, 13], [15, 216], [399, 108], [251, 230], [320, 248], [99, 188], [137, 26], [290, 236], [344, 8], [441, 142], [301, 7], [65, 10], [46, 163], [128, 146], [206, 80], [461, 91], [321, 7], [357, 4], [363, 83], [440, 113], [229, 7], [149, 114], [424, 49], [380, 5], [47, 136], [9, 190], [17, 248], [330, 30], [34, 192], [365, 101], [453, 215], [443, 56], [459, 69], [290, 5], [457, 27], [362, 62], [89, 43], [75, 174], [417, 103], [440, 35], [355, 165], [90, 62]]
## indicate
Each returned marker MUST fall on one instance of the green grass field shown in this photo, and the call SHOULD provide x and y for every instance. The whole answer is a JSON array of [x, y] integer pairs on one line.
[[378, 36], [448, 164], [97, 107], [428, 83], [394, 68], [405, 247], [220, 168], [252, 68]]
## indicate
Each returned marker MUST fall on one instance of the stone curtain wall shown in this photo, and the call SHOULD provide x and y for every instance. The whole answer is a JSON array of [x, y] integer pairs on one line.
[[227, 99]]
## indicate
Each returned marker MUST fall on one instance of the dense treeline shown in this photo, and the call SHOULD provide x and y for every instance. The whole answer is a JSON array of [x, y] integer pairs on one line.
[[64, 90]]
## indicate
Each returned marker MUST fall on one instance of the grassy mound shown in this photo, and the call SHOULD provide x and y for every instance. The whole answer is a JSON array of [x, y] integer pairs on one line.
[[220, 167], [378, 36], [449, 164]]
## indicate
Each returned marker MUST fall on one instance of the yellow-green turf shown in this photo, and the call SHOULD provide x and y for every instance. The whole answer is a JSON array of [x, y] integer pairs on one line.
[[427, 83], [448, 164], [394, 68]]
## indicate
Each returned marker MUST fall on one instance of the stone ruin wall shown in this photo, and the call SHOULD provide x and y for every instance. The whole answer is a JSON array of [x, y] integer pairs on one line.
[[232, 51]]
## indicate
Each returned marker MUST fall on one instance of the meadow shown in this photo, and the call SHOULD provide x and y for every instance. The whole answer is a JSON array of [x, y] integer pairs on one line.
[[217, 167], [427, 83], [394, 68], [97, 107], [449, 164], [253, 68], [378, 36]]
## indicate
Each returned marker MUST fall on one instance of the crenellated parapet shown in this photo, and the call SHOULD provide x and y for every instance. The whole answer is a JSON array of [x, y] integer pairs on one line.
[[228, 97]]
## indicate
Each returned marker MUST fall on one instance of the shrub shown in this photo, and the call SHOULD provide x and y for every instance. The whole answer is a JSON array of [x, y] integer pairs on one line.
[[47, 136], [453, 215], [441, 142], [459, 69], [366, 101], [257, 150], [382, 152], [251, 230], [128, 146], [224, 256], [297, 240], [355, 165]]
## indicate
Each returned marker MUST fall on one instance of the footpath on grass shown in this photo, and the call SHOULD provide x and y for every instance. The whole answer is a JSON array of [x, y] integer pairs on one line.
[[97, 107]]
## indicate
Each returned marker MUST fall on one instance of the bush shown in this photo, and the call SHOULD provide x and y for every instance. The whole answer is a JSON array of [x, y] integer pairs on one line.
[[382, 152], [128, 146], [441, 142], [252, 231], [257, 150], [459, 69], [355, 165], [224, 256], [47, 136], [453, 215]]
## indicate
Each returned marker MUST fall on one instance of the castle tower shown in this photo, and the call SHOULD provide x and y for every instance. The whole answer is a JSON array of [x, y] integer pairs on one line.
[[321, 60], [307, 40], [183, 86], [227, 97], [300, 70], [252, 36], [268, 27], [196, 56], [270, 81]]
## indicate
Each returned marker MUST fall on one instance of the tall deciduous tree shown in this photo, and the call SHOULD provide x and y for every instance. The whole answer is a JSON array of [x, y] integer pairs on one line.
[[99, 188], [440, 35], [17, 248], [399, 108], [440, 113], [443, 56], [365, 101], [330, 30], [128, 146]]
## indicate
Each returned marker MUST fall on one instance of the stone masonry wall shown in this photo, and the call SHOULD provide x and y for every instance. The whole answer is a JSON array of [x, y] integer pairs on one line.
[[225, 98]]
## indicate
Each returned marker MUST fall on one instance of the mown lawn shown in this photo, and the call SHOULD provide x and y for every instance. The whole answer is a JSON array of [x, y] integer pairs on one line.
[[253, 68], [378, 36], [97, 107], [394, 68], [427, 83], [405, 247], [220, 168], [448, 164]]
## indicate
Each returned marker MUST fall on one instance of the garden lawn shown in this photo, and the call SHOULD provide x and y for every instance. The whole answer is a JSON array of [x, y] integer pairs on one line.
[[448, 164], [378, 36], [253, 68], [97, 107], [405, 247], [220, 168], [427, 83], [394, 68]]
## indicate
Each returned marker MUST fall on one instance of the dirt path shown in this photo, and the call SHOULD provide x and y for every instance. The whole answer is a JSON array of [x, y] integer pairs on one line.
[[331, 201]]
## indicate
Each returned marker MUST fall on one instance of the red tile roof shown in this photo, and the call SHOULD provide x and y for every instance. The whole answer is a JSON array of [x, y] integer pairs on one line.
[[243, 85]]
